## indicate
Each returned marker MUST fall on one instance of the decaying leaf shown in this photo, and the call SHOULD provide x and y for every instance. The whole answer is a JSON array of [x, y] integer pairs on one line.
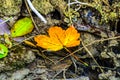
[[22, 27], [29, 43], [58, 38]]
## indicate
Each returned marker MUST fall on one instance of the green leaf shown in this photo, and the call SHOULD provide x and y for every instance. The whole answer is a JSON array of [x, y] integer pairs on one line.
[[3, 51], [22, 27]]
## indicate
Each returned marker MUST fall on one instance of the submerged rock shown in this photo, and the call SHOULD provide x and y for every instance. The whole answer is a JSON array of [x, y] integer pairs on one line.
[[20, 74]]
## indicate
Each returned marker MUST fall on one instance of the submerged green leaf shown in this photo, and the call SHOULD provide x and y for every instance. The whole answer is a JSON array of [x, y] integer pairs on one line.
[[3, 51], [22, 27]]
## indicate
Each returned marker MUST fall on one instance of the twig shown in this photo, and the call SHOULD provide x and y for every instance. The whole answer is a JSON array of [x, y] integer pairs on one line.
[[75, 65], [96, 41], [71, 54], [63, 70], [45, 57], [64, 76], [31, 17], [23, 41], [89, 45], [92, 57], [5, 20], [57, 74], [78, 2], [36, 12]]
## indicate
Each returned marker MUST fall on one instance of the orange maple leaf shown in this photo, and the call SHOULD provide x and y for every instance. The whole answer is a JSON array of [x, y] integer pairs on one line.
[[58, 38]]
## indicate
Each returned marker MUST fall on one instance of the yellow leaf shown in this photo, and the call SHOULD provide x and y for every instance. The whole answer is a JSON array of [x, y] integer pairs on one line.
[[58, 38], [29, 43], [71, 37]]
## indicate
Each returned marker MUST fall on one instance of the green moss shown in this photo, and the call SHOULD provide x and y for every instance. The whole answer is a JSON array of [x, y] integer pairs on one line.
[[108, 12], [70, 16]]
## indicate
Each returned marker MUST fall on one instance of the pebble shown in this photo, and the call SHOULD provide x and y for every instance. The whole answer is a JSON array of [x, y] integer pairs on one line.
[[20, 74]]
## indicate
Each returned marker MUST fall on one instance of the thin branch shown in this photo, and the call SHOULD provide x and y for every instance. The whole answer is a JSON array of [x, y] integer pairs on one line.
[[64, 76], [5, 20], [78, 2], [36, 12], [71, 54], [92, 57], [31, 17], [53, 78], [75, 65], [96, 41]]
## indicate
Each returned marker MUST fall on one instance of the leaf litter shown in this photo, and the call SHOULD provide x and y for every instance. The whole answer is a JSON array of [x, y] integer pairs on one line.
[[100, 34]]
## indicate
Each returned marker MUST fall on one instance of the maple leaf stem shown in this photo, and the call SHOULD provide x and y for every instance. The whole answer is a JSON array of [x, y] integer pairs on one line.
[[75, 56]]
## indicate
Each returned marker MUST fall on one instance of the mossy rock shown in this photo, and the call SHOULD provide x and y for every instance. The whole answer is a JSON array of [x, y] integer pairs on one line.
[[10, 7], [43, 6], [17, 58]]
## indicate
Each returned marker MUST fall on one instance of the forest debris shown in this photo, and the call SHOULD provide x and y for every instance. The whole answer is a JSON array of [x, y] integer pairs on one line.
[[107, 75], [43, 6], [10, 7], [36, 12]]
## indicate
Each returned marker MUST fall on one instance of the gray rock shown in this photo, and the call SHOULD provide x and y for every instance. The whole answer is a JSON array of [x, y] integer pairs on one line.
[[20, 74], [106, 75], [39, 71], [16, 59], [3, 76]]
